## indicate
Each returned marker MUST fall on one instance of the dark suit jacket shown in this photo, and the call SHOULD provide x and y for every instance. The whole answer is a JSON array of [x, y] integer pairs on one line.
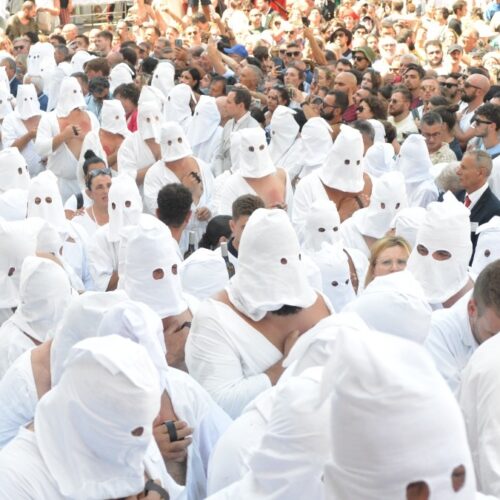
[[13, 86], [486, 207]]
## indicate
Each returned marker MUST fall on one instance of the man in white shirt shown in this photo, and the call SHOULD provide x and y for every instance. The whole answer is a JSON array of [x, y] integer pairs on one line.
[[400, 115], [458, 331]]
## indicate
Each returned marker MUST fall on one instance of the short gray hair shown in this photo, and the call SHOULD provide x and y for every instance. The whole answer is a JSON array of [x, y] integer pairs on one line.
[[482, 159]]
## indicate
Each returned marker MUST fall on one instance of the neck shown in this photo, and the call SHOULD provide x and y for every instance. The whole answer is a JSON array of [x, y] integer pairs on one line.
[[400, 117], [176, 232], [491, 140], [236, 118]]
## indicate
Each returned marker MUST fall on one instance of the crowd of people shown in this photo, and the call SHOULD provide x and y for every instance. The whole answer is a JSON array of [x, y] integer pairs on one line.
[[250, 249]]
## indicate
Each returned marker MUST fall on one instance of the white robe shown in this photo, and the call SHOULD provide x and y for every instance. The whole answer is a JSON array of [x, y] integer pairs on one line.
[[12, 129], [353, 238], [450, 341], [236, 186], [103, 258], [420, 194], [13, 342], [61, 162], [207, 150], [18, 398], [291, 159], [158, 176], [308, 190], [134, 154]]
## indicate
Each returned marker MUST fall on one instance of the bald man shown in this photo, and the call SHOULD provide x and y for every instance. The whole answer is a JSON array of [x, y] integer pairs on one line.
[[346, 82], [475, 88]]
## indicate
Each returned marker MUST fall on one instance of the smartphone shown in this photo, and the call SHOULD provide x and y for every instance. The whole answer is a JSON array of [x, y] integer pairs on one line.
[[306, 22], [178, 43]]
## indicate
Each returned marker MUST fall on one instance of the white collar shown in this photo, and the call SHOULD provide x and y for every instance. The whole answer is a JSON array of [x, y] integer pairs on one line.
[[474, 196], [238, 122]]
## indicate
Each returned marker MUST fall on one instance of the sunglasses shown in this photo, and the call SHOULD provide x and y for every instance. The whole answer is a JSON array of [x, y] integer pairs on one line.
[[19, 47], [282, 51], [95, 173], [468, 85], [480, 122], [293, 54], [448, 85], [191, 33], [360, 58], [290, 32]]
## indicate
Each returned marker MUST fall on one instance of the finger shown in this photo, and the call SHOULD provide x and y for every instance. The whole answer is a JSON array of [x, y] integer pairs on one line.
[[184, 433], [180, 424]]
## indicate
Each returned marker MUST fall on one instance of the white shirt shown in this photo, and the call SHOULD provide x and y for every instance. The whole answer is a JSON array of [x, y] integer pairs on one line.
[[405, 126], [475, 195], [13, 342]]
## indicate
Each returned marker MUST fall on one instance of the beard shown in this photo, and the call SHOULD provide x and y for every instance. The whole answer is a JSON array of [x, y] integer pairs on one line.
[[467, 98], [326, 116]]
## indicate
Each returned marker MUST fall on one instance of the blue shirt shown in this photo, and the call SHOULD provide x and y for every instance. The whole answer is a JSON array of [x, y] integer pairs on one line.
[[44, 101]]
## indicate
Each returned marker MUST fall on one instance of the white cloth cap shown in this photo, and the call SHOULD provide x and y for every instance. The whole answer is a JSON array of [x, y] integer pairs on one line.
[[446, 227], [379, 130], [138, 322], [84, 424], [14, 204], [70, 97], [124, 205], [44, 200], [149, 120], [343, 167], [487, 246], [5, 101], [378, 159], [154, 95], [335, 274], [120, 74], [204, 273], [27, 104], [388, 197], [80, 321], [173, 142], [163, 78], [151, 273], [270, 274], [206, 120], [177, 107], [407, 223], [393, 422], [113, 117], [16, 243], [79, 59], [13, 170], [48, 239], [316, 141], [254, 158], [413, 160], [284, 131], [395, 304], [41, 59], [44, 294], [321, 225]]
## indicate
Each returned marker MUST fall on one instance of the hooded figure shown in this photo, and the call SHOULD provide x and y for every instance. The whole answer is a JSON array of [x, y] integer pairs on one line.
[[41, 61], [79, 59], [343, 168], [151, 273], [178, 107], [13, 170], [153, 94], [488, 244], [322, 225], [120, 74], [13, 204], [163, 78], [378, 159], [5, 101], [205, 133], [390, 408], [388, 197], [27, 104], [415, 164], [285, 145], [440, 259], [379, 130], [316, 143], [407, 222], [395, 304], [44, 294], [70, 98]]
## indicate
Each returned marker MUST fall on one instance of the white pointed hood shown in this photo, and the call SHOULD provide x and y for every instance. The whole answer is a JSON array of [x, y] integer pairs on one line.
[[446, 227], [270, 273], [120, 74], [152, 94], [173, 142], [13, 204], [390, 408], [5, 101], [321, 225], [84, 425], [407, 222], [388, 197], [163, 78], [379, 130], [487, 246], [343, 167], [79, 59], [41, 59], [178, 107], [27, 104], [413, 160], [44, 293], [284, 132], [124, 205], [316, 141], [205, 122], [149, 120], [379, 159], [254, 158], [113, 118], [13, 170], [16, 243], [406, 312], [70, 97], [151, 273]]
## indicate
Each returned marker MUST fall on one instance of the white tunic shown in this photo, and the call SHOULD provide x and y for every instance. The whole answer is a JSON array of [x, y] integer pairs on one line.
[[207, 150], [450, 341], [308, 190], [18, 398], [103, 258], [13, 342], [134, 154], [420, 194], [353, 238]]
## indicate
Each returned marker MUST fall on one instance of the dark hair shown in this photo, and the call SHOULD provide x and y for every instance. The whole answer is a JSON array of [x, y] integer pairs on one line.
[[128, 91], [246, 204], [459, 4], [90, 159], [253, 61], [486, 291], [491, 112], [385, 91], [417, 68], [439, 100], [242, 96], [378, 107], [283, 92], [174, 203], [448, 114], [219, 78], [105, 34], [376, 78], [287, 310], [358, 74], [60, 39], [217, 227], [341, 99], [129, 55], [199, 17], [261, 53], [148, 65], [344, 60], [82, 76], [196, 76], [85, 38], [403, 91], [365, 127], [431, 118], [258, 115], [98, 64], [434, 43], [390, 131], [474, 70]]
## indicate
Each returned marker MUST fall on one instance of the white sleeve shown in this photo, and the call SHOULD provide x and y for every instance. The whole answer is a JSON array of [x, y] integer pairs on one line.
[[126, 161], [227, 195], [217, 366], [151, 189], [44, 137], [100, 262], [301, 205], [9, 134]]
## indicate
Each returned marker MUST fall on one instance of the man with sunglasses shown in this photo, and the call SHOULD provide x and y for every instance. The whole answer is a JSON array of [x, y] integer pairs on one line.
[[486, 124], [450, 88], [342, 39], [363, 58]]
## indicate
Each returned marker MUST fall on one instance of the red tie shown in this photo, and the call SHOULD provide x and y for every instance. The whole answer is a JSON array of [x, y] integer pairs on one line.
[[467, 201]]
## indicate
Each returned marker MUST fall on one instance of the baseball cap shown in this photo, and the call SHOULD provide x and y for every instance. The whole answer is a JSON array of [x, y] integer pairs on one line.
[[453, 48], [238, 49]]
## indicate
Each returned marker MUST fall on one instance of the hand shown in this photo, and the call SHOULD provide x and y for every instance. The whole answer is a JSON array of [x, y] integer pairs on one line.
[[203, 213], [308, 32], [71, 131], [290, 340], [173, 451]]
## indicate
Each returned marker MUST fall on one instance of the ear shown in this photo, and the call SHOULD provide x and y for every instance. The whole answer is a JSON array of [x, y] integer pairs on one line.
[[472, 308], [232, 224], [188, 217]]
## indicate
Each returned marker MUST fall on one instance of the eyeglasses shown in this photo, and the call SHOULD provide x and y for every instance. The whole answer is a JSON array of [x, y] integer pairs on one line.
[[282, 51], [290, 32], [191, 33], [360, 58], [468, 85], [448, 85], [480, 122], [293, 54], [19, 47], [389, 263], [325, 105]]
